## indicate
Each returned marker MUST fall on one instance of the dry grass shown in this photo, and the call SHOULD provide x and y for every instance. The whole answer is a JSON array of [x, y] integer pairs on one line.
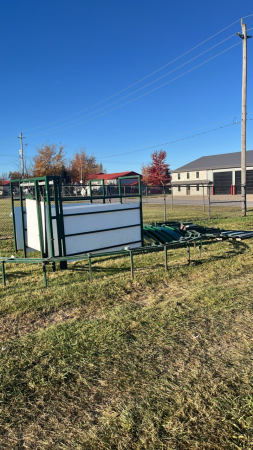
[[163, 361]]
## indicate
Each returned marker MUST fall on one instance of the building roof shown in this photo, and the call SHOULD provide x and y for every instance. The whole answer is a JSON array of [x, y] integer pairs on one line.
[[221, 161], [111, 176]]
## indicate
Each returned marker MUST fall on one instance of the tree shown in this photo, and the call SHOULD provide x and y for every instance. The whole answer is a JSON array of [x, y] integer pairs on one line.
[[158, 172], [3, 177], [49, 160], [15, 175], [82, 165], [145, 170]]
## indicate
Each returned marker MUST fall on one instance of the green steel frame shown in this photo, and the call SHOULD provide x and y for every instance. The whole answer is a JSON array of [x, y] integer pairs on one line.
[[88, 257], [52, 194]]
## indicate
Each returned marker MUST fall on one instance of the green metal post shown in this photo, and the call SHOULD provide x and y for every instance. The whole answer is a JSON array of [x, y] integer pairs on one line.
[[103, 190], [57, 215], [59, 220], [141, 216], [188, 253], [90, 192], [63, 264], [120, 191], [164, 201], [50, 223], [209, 202], [13, 218], [22, 219], [90, 268], [166, 258], [3, 274], [39, 220], [132, 264], [44, 273], [200, 248]]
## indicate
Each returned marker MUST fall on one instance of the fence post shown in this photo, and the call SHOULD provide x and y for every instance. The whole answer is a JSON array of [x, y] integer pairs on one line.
[[244, 200], [171, 197], [146, 194], [209, 202], [164, 200], [203, 198]]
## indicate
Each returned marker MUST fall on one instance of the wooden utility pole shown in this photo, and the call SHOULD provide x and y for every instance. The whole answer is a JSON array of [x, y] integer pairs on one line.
[[244, 38]]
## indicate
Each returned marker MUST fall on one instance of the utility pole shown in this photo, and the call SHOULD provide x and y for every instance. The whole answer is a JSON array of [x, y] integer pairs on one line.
[[21, 154], [244, 38]]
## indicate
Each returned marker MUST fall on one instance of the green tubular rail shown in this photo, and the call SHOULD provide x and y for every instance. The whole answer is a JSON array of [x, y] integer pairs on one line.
[[159, 246]]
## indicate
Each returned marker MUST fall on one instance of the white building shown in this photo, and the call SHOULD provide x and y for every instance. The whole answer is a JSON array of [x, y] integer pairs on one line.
[[222, 172]]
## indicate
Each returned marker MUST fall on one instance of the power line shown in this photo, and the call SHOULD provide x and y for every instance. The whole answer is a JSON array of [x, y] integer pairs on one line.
[[137, 82], [143, 87], [171, 142], [195, 129], [130, 101], [9, 162]]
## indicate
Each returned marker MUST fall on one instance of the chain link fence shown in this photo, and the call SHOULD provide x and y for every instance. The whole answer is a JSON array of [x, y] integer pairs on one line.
[[6, 229], [207, 197]]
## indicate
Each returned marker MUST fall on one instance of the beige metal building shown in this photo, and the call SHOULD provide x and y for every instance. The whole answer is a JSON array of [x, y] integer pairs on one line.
[[222, 172]]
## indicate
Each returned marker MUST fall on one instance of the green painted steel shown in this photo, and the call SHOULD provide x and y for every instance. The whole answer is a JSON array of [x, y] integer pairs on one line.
[[13, 217], [90, 267], [53, 184], [132, 264], [49, 215], [3, 273], [39, 218], [22, 219], [99, 212]]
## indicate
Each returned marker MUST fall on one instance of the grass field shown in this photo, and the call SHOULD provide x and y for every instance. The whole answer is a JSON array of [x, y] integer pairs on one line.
[[163, 361]]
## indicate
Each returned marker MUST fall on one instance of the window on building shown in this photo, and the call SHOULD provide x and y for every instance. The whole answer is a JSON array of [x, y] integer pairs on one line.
[[178, 176], [179, 188], [197, 174], [188, 175], [197, 187]]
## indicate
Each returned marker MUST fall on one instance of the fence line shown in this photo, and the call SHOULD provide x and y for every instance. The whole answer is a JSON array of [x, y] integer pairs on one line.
[[169, 196]]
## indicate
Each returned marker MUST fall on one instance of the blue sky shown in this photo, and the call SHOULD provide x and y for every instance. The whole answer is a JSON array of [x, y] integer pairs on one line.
[[61, 59]]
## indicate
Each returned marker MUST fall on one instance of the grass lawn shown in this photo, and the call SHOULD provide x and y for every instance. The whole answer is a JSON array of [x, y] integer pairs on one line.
[[163, 361]]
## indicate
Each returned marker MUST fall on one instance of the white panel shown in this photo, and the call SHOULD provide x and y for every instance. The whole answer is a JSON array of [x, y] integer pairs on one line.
[[33, 239], [97, 241], [115, 239], [98, 221], [117, 215], [54, 230], [18, 228]]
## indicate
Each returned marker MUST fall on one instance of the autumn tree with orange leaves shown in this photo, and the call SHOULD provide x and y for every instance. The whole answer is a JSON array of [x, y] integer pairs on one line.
[[82, 165], [145, 168], [49, 160]]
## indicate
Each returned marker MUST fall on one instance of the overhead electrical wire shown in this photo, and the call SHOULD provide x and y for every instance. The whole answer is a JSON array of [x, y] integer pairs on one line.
[[10, 162], [143, 87], [137, 82], [171, 142], [130, 101], [192, 131]]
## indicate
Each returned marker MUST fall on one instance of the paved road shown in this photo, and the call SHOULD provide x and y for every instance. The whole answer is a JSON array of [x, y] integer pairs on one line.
[[196, 201]]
